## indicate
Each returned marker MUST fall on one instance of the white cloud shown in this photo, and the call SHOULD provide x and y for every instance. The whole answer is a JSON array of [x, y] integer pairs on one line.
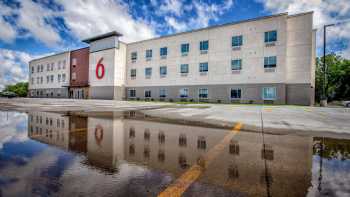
[[7, 32], [204, 13], [89, 18], [325, 12], [170, 6], [14, 67]]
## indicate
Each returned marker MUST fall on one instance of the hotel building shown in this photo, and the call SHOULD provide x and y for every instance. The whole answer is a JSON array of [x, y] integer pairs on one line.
[[264, 60]]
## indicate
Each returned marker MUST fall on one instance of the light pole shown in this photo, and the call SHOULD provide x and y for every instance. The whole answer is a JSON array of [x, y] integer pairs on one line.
[[323, 101]]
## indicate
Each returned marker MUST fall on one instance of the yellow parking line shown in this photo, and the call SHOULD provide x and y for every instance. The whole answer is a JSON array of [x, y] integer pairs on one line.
[[191, 175]]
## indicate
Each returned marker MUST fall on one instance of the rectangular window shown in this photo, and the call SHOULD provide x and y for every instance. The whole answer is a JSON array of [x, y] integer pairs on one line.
[[74, 61], [132, 93], [236, 64], [38, 69], [183, 92], [32, 69], [236, 93], [133, 56], [204, 45], [184, 68], [203, 93], [59, 65], [163, 51], [270, 62], [237, 41], [42, 68], [147, 93], [63, 77], [133, 73], [185, 48], [148, 72], [162, 93], [64, 64], [48, 67], [163, 71], [59, 78], [52, 65], [271, 36], [74, 76], [203, 67], [47, 79], [269, 93], [52, 78], [149, 54]]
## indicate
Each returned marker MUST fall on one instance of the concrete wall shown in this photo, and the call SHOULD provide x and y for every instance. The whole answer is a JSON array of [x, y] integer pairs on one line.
[[49, 93]]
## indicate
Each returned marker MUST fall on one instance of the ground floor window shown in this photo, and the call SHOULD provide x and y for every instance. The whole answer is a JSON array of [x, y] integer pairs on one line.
[[132, 93], [147, 93], [184, 92], [203, 93], [269, 93], [236, 93], [162, 93]]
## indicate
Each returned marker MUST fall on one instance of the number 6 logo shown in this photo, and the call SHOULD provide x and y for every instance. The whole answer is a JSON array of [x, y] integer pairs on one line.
[[99, 66]]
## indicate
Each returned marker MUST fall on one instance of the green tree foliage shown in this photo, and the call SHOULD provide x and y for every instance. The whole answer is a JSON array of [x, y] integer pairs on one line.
[[21, 88], [338, 78]]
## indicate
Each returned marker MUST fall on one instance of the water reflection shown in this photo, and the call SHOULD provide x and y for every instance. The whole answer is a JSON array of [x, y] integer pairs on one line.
[[127, 154]]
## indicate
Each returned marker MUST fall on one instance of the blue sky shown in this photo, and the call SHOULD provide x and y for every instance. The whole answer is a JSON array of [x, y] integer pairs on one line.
[[30, 29]]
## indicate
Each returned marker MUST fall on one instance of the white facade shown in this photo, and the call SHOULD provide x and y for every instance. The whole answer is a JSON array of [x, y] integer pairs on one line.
[[49, 74]]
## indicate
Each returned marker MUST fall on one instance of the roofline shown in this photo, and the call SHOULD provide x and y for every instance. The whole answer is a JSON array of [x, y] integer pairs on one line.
[[60, 53], [102, 36], [215, 26], [300, 14], [79, 49]]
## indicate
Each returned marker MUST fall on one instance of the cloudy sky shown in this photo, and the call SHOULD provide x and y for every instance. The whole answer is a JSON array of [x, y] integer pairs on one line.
[[30, 29]]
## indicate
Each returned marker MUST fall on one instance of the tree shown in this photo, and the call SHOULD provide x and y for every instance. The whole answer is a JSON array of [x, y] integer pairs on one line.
[[338, 78], [21, 88]]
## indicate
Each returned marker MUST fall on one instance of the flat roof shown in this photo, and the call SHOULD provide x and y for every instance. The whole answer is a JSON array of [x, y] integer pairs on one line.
[[60, 53], [102, 36]]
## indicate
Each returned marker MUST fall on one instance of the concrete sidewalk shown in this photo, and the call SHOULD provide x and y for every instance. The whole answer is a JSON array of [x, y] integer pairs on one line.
[[281, 119]]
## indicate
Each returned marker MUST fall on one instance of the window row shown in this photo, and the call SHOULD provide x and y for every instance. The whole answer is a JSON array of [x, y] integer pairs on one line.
[[49, 121], [236, 65], [268, 93], [49, 67], [237, 41], [49, 79]]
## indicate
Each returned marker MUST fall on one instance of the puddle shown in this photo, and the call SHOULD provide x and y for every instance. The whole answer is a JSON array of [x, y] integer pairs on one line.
[[128, 154]]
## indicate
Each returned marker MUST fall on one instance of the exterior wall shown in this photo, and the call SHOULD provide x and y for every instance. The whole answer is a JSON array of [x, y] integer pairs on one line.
[[38, 79], [49, 93], [79, 92], [251, 93], [219, 56], [80, 69]]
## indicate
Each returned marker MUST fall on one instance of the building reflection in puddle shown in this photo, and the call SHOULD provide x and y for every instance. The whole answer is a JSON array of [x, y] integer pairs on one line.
[[247, 165]]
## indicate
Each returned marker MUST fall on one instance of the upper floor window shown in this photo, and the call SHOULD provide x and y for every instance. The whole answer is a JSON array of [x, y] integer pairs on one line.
[[270, 62], [271, 36], [59, 78], [47, 79], [163, 51], [52, 65], [184, 68], [74, 76], [74, 62], [33, 69], [184, 92], [133, 73], [38, 68], [163, 70], [41, 68], [236, 64], [237, 41], [203, 67], [52, 78], [203, 93], [48, 67], [148, 72], [64, 64], [185, 48], [204, 45], [32, 80], [133, 56], [149, 54], [59, 65], [269, 93], [63, 77]]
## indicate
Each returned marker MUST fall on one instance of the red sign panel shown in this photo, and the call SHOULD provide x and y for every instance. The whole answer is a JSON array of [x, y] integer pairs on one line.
[[100, 66]]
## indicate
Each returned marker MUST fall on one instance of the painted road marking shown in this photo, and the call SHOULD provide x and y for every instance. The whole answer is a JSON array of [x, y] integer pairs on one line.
[[191, 175]]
